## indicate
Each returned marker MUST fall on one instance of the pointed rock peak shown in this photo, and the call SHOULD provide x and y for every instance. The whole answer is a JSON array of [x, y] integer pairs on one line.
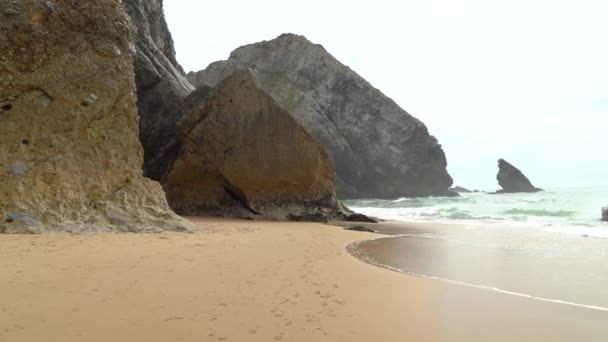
[[287, 38], [292, 37], [504, 163], [512, 180], [240, 76], [283, 40]]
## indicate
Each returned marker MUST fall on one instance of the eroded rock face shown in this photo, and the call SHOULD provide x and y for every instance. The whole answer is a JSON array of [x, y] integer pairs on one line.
[[380, 151], [70, 157], [605, 213], [512, 180], [161, 85], [241, 154]]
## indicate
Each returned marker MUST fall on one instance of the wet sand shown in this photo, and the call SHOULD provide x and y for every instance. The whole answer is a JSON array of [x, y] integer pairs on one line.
[[519, 276], [239, 281]]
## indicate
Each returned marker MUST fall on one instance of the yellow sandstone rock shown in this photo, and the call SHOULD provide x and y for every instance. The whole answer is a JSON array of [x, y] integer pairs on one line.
[[70, 158], [243, 155]]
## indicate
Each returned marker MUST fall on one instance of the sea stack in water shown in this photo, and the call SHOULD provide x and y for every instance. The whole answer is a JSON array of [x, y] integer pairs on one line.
[[161, 84], [70, 157], [460, 190], [605, 213], [241, 154], [379, 150], [512, 180]]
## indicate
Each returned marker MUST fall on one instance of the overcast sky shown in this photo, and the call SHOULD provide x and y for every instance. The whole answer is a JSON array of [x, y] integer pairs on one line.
[[523, 80]]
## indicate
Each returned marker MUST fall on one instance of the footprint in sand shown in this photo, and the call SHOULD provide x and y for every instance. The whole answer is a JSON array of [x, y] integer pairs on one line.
[[174, 319]]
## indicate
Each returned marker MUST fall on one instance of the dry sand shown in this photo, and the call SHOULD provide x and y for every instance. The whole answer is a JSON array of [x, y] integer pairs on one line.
[[239, 281]]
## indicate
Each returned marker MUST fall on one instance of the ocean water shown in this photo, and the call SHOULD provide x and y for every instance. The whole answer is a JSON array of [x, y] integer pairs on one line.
[[567, 210], [550, 248]]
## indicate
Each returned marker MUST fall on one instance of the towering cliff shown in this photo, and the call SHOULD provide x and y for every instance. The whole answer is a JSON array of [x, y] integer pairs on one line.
[[379, 150], [161, 85], [229, 151], [70, 158], [241, 154]]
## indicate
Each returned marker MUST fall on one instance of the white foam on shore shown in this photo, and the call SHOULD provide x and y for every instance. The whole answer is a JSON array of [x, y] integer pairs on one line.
[[572, 211], [596, 230], [353, 250]]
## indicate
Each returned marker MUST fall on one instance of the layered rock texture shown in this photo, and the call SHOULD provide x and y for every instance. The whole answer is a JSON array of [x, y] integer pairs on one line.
[[605, 213], [228, 151], [161, 84], [512, 180], [379, 150], [241, 154], [70, 158]]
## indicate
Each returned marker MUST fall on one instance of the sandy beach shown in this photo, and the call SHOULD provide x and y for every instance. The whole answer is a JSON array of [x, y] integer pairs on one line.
[[249, 281], [238, 281]]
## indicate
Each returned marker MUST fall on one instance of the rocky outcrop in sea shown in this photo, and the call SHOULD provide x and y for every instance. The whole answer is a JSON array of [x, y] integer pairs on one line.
[[605, 213], [243, 155], [70, 157], [460, 190], [512, 180], [379, 150]]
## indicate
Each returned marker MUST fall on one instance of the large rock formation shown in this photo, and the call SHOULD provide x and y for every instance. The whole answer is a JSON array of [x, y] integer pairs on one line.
[[605, 213], [161, 85], [378, 148], [512, 180], [70, 158], [241, 154]]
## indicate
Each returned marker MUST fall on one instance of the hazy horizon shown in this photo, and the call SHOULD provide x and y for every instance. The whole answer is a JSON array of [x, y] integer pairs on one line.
[[526, 81]]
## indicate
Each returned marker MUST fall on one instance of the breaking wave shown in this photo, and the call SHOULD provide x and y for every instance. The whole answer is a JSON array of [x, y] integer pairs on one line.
[[577, 209]]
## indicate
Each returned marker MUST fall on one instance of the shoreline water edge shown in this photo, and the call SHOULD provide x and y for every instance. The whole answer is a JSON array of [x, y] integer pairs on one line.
[[575, 211], [552, 269]]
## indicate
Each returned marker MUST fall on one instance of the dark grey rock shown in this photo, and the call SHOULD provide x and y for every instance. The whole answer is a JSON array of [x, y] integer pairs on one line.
[[118, 219], [379, 150], [45, 100], [24, 218], [8, 8], [160, 80], [19, 169], [460, 190], [360, 229], [512, 180], [21, 222], [9, 12], [605, 213], [356, 217]]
